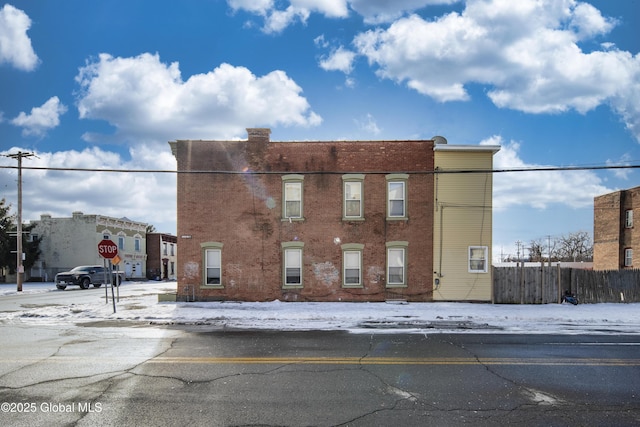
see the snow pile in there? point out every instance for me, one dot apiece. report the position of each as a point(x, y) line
point(139, 303)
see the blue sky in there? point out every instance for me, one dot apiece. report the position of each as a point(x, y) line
point(107, 84)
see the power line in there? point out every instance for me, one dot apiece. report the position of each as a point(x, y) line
point(251, 172)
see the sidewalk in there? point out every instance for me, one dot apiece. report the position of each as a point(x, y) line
point(139, 305)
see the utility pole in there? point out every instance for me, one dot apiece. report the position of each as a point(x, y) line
point(19, 266)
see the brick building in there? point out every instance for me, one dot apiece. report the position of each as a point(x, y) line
point(161, 256)
point(300, 221)
point(614, 235)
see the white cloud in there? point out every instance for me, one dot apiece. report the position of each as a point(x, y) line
point(255, 6)
point(15, 45)
point(278, 17)
point(320, 41)
point(145, 98)
point(145, 197)
point(625, 160)
point(380, 11)
point(525, 52)
point(587, 22)
point(340, 59)
point(369, 125)
point(41, 119)
point(539, 189)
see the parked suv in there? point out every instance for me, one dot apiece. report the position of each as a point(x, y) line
point(87, 275)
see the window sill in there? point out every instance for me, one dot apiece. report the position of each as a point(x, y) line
point(396, 285)
point(355, 219)
point(292, 286)
point(293, 219)
point(211, 287)
point(353, 286)
point(397, 218)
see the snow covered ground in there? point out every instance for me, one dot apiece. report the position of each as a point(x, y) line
point(139, 304)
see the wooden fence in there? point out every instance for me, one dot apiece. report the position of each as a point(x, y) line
point(544, 284)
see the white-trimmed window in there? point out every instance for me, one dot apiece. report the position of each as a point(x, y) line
point(352, 265)
point(292, 191)
point(292, 264)
point(397, 196)
point(628, 218)
point(137, 244)
point(352, 196)
point(628, 257)
point(478, 259)
point(397, 264)
point(212, 261)
point(121, 240)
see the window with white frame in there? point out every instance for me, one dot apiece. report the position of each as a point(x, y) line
point(292, 264)
point(628, 257)
point(397, 264)
point(628, 218)
point(292, 189)
point(212, 261)
point(397, 196)
point(352, 196)
point(478, 259)
point(121, 240)
point(352, 265)
point(137, 244)
point(164, 248)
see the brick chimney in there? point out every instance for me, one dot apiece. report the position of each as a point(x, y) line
point(258, 134)
point(257, 147)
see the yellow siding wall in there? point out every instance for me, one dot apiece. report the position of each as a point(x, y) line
point(462, 218)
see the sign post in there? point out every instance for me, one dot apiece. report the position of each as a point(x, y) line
point(106, 288)
point(108, 250)
point(115, 261)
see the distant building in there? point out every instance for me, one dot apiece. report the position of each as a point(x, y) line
point(161, 256)
point(615, 236)
point(333, 220)
point(69, 242)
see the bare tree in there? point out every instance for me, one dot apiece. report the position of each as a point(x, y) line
point(536, 250)
point(577, 246)
point(543, 248)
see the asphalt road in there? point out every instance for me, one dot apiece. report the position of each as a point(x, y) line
point(109, 374)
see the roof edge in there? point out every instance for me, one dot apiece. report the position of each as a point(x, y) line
point(478, 148)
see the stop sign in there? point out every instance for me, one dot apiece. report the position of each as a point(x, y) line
point(107, 249)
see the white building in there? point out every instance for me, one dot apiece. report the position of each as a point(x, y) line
point(69, 242)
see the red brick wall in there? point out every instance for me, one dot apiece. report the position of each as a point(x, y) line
point(244, 212)
point(154, 263)
point(610, 235)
